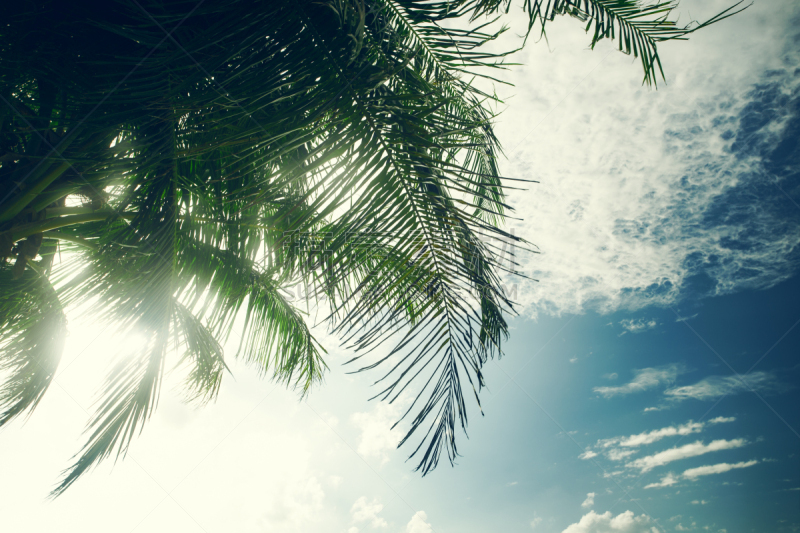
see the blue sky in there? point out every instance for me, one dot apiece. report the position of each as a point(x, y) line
point(561, 390)
point(650, 382)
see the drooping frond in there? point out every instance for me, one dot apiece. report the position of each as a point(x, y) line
point(274, 336)
point(202, 353)
point(32, 331)
point(129, 397)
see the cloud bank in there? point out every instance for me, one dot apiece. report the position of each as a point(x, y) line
point(660, 195)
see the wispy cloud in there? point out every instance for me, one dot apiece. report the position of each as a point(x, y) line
point(714, 387)
point(637, 325)
point(693, 473)
point(649, 437)
point(666, 481)
point(722, 420)
point(645, 464)
point(589, 501)
point(644, 379)
point(617, 454)
point(623, 446)
point(720, 468)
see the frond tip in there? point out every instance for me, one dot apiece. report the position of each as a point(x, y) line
point(636, 26)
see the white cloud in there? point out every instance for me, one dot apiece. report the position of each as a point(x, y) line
point(376, 438)
point(535, 522)
point(625, 522)
point(655, 435)
point(622, 447)
point(645, 464)
point(616, 454)
point(698, 502)
point(649, 437)
point(666, 481)
point(658, 434)
point(644, 379)
point(722, 420)
point(637, 325)
point(720, 468)
point(419, 523)
point(612, 375)
point(714, 387)
point(364, 511)
point(589, 501)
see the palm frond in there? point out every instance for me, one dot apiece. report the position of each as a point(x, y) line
point(636, 26)
point(224, 154)
point(130, 397)
point(32, 329)
point(202, 354)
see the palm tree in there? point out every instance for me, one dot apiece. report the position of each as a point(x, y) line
point(193, 160)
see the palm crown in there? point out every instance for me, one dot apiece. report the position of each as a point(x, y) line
point(197, 159)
